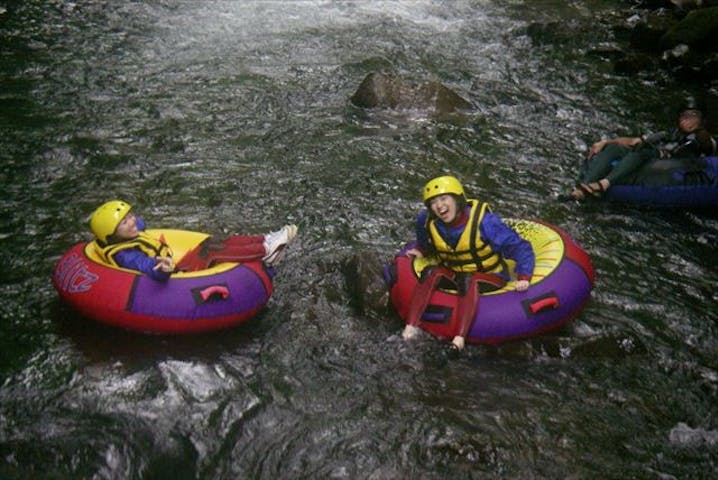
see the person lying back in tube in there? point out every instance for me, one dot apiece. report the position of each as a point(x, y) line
point(612, 160)
point(123, 242)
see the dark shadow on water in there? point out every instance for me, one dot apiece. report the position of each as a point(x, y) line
point(104, 343)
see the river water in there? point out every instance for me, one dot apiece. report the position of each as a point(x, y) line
point(233, 116)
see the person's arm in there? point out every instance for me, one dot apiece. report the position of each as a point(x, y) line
point(658, 138)
point(505, 241)
point(422, 236)
point(624, 141)
point(134, 259)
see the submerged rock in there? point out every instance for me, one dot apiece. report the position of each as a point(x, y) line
point(382, 90)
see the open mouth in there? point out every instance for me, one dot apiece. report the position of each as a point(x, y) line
point(444, 213)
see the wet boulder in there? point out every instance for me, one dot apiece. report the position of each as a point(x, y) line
point(691, 4)
point(646, 35)
point(691, 51)
point(389, 91)
point(364, 279)
point(698, 30)
point(678, 37)
point(633, 63)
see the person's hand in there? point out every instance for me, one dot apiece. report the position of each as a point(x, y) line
point(458, 342)
point(522, 285)
point(165, 264)
point(410, 332)
point(414, 252)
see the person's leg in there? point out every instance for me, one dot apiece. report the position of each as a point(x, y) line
point(598, 166)
point(591, 179)
point(243, 240)
point(467, 304)
point(470, 288)
point(422, 295)
point(236, 248)
point(630, 163)
point(195, 259)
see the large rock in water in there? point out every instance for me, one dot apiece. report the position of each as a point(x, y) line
point(699, 30)
point(364, 278)
point(382, 90)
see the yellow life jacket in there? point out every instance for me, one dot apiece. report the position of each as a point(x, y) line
point(149, 245)
point(471, 253)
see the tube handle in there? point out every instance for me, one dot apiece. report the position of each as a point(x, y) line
point(543, 304)
point(214, 291)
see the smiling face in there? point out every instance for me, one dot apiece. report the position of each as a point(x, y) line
point(127, 228)
point(444, 207)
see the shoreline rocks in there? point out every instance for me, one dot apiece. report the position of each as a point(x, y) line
point(673, 39)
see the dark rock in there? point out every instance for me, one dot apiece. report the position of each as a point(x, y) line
point(676, 38)
point(633, 63)
point(547, 33)
point(607, 51)
point(699, 30)
point(364, 279)
point(646, 35)
point(676, 4)
point(692, 4)
point(654, 4)
point(694, 68)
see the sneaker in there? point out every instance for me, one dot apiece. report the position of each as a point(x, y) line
point(274, 243)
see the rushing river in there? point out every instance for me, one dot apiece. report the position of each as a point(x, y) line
point(233, 116)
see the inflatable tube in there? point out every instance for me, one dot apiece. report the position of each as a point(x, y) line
point(222, 296)
point(561, 285)
point(675, 183)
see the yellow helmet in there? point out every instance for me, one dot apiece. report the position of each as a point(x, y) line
point(105, 219)
point(441, 186)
